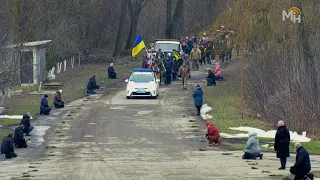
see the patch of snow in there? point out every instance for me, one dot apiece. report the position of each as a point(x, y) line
point(265, 145)
point(12, 117)
point(204, 110)
point(40, 131)
point(295, 137)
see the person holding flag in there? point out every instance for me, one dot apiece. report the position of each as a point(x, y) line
point(138, 46)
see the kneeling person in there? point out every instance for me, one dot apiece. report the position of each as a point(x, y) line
point(211, 79)
point(302, 166)
point(111, 72)
point(18, 139)
point(92, 85)
point(252, 149)
point(57, 100)
point(213, 134)
point(7, 147)
point(44, 106)
point(25, 121)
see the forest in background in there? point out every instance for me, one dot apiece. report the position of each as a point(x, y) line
point(95, 28)
point(81, 26)
point(282, 78)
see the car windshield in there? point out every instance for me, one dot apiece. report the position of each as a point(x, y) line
point(167, 47)
point(142, 78)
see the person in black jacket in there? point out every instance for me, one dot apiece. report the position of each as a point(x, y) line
point(18, 139)
point(92, 85)
point(302, 166)
point(7, 147)
point(44, 106)
point(211, 79)
point(281, 144)
point(25, 121)
point(169, 65)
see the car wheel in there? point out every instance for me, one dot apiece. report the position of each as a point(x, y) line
point(128, 97)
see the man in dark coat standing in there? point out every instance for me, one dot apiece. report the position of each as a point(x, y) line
point(44, 106)
point(18, 139)
point(169, 65)
point(25, 121)
point(282, 143)
point(302, 166)
point(7, 147)
point(198, 98)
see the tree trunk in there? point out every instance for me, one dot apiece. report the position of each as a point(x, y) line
point(121, 30)
point(168, 29)
point(307, 54)
point(177, 24)
point(134, 16)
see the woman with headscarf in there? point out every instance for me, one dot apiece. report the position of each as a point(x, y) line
point(44, 106)
point(282, 143)
point(57, 100)
point(252, 149)
point(213, 134)
point(198, 98)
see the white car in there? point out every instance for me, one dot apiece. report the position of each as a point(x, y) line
point(142, 83)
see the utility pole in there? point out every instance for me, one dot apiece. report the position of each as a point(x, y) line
point(241, 73)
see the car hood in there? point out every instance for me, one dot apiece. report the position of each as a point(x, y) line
point(140, 84)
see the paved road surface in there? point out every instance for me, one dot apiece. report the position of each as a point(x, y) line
point(110, 137)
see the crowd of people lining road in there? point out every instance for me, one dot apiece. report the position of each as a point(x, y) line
point(196, 51)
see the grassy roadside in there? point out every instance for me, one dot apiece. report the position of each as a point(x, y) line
point(225, 102)
point(74, 87)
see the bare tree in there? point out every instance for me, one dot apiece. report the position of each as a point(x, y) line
point(135, 7)
point(121, 31)
point(168, 15)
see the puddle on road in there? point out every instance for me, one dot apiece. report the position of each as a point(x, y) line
point(51, 118)
point(56, 113)
point(39, 132)
point(196, 141)
point(88, 136)
point(119, 107)
point(144, 112)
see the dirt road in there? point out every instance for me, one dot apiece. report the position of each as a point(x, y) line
point(110, 137)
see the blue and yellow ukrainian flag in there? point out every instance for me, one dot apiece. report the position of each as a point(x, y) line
point(138, 46)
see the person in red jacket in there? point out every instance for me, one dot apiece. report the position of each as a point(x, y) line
point(213, 134)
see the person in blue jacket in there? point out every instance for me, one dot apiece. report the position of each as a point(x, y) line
point(7, 147)
point(252, 149)
point(111, 72)
point(302, 167)
point(198, 98)
point(44, 106)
